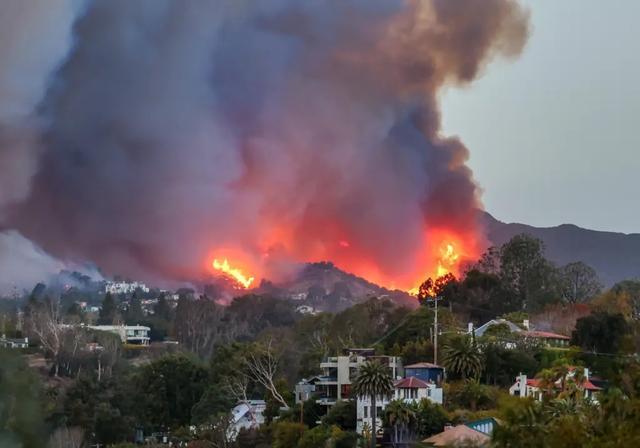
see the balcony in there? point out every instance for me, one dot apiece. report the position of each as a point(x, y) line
point(327, 381)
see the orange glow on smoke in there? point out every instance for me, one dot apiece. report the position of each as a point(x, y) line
point(280, 249)
point(235, 273)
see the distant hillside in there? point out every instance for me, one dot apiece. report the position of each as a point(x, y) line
point(615, 256)
point(325, 287)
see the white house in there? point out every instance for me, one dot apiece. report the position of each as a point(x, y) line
point(532, 387)
point(410, 390)
point(14, 343)
point(130, 334)
point(247, 415)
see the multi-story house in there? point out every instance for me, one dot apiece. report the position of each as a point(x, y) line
point(338, 372)
point(409, 390)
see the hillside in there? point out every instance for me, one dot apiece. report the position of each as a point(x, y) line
point(615, 256)
point(324, 286)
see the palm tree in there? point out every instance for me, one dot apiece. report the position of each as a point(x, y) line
point(401, 417)
point(463, 357)
point(373, 380)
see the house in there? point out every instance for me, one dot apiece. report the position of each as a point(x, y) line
point(305, 389)
point(339, 371)
point(481, 330)
point(130, 334)
point(547, 338)
point(485, 425)
point(409, 390)
point(459, 436)
point(533, 387)
point(425, 371)
point(246, 415)
point(14, 343)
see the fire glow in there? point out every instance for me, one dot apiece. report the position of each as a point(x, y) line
point(236, 274)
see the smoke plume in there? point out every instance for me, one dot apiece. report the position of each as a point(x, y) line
point(269, 132)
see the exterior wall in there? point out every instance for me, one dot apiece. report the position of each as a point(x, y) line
point(408, 395)
point(425, 373)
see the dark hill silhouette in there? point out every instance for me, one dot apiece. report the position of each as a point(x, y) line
point(614, 256)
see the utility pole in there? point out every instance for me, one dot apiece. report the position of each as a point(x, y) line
point(435, 299)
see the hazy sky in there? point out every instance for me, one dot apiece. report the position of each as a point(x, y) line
point(555, 136)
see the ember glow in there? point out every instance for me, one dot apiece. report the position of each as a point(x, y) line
point(236, 274)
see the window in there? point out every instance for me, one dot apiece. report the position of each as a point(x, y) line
point(366, 412)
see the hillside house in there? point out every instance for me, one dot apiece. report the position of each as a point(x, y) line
point(339, 371)
point(409, 390)
point(533, 387)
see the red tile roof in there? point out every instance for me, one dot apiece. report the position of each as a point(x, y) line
point(588, 385)
point(411, 383)
point(533, 382)
point(545, 335)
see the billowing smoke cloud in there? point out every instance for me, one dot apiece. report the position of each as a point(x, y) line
point(273, 131)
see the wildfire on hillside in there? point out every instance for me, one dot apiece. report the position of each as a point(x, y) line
point(444, 252)
point(241, 278)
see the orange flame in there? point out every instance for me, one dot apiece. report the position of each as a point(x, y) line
point(448, 262)
point(243, 279)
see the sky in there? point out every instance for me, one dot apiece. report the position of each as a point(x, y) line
point(554, 135)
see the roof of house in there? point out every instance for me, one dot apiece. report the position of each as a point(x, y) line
point(588, 385)
point(423, 365)
point(545, 335)
point(458, 436)
point(484, 327)
point(411, 383)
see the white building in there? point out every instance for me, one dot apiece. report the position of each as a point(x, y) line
point(130, 334)
point(247, 415)
point(339, 371)
point(532, 387)
point(409, 390)
point(14, 343)
point(124, 287)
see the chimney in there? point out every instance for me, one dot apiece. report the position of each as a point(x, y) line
point(470, 327)
point(523, 385)
point(525, 324)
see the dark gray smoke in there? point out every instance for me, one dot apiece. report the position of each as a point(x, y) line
point(274, 130)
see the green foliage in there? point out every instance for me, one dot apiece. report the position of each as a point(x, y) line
point(430, 418)
point(527, 274)
point(108, 311)
point(21, 404)
point(462, 357)
point(169, 388)
point(343, 415)
point(502, 365)
point(315, 438)
point(287, 434)
point(600, 332)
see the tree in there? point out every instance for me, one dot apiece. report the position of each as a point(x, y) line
point(600, 332)
point(262, 367)
point(169, 388)
point(109, 311)
point(578, 282)
point(134, 313)
point(462, 357)
point(373, 380)
point(200, 325)
point(162, 309)
point(22, 421)
point(526, 272)
point(343, 414)
point(45, 321)
point(630, 288)
point(401, 418)
point(430, 418)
